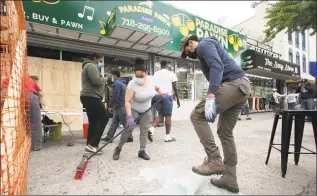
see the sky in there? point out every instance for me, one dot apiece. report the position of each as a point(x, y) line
point(234, 11)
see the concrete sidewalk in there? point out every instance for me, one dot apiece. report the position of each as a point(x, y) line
point(52, 169)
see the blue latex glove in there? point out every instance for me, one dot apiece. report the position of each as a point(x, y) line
point(165, 95)
point(210, 110)
point(130, 121)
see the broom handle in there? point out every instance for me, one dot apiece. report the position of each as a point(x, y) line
point(124, 130)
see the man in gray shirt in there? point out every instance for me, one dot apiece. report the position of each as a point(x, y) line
point(91, 95)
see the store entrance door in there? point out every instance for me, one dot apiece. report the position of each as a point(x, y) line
point(184, 71)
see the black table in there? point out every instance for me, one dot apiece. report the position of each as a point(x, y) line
point(287, 121)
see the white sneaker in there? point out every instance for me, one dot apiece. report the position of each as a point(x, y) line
point(91, 149)
point(168, 138)
point(151, 133)
point(152, 130)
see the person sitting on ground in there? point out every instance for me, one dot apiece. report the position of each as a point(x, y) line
point(91, 96)
point(167, 80)
point(117, 106)
point(139, 94)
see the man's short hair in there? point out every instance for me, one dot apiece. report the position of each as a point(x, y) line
point(164, 63)
point(95, 55)
point(139, 61)
point(116, 73)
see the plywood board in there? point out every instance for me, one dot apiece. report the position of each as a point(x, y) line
point(53, 83)
point(72, 85)
point(61, 85)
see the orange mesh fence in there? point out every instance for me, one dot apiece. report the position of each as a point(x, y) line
point(15, 127)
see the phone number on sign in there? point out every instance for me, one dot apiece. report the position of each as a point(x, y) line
point(145, 27)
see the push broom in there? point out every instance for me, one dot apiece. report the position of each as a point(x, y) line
point(84, 162)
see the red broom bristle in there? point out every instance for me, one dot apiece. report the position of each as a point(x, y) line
point(79, 174)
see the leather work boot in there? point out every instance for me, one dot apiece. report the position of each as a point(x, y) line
point(116, 153)
point(143, 155)
point(212, 165)
point(228, 181)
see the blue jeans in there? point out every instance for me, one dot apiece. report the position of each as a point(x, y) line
point(308, 104)
point(119, 115)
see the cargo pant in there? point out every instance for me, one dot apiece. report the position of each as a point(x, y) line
point(231, 98)
point(145, 124)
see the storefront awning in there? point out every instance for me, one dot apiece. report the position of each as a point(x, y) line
point(263, 65)
point(307, 76)
point(137, 31)
point(304, 75)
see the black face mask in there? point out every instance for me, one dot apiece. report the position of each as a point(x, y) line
point(192, 55)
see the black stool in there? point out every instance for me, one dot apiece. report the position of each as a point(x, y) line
point(287, 121)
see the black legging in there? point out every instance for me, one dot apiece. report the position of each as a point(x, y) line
point(97, 118)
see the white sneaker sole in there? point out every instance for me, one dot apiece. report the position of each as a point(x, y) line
point(88, 150)
point(171, 140)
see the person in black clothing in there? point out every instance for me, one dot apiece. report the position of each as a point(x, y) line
point(91, 95)
point(307, 93)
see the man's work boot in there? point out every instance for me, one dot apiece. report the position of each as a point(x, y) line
point(116, 153)
point(212, 165)
point(143, 155)
point(228, 181)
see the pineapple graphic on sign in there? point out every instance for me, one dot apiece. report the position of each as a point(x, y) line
point(184, 23)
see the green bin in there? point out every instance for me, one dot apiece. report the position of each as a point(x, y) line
point(56, 132)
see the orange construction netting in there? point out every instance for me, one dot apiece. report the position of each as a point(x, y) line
point(15, 127)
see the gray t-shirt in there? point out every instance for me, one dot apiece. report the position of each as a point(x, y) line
point(143, 95)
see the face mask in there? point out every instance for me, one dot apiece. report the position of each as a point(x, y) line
point(140, 81)
point(192, 55)
point(112, 79)
point(99, 65)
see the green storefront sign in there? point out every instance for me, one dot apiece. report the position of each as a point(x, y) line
point(140, 19)
point(153, 17)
